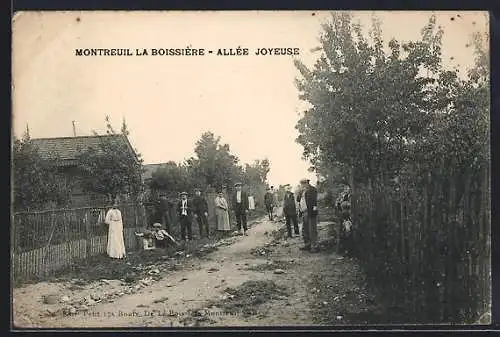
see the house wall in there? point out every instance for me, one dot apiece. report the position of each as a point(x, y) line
point(80, 198)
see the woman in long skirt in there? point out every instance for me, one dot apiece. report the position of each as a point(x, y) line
point(116, 244)
point(222, 215)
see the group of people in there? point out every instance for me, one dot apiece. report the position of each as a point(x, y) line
point(304, 205)
point(241, 203)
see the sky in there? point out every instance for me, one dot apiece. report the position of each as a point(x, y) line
point(251, 102)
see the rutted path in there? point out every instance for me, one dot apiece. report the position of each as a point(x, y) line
point(198, 295)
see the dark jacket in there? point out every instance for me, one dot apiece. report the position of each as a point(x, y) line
point(200, 205)
point(311, 196)
point(268, 199)
point(289, 207)
point(244, 201)
point(189, 208)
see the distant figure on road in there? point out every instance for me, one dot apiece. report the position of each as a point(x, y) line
point(222, 214)
point(184, 211)
point(269, 203)
point(116, 244)
point(201, 213)
point(308, 203)
point(240, 207)
point(290, 212)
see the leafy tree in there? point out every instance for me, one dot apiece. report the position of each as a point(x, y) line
point(366, 105)
point(413, 137)
point(36, 182)
point(171, 177)
point(214, 162)
point(110, 169)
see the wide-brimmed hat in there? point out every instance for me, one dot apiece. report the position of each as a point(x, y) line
point(157, 225)
point(238, 184)
point(184, 193)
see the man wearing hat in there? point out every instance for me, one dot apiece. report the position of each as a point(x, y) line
point(184, 211)
point(269, 202)
point(290, 212)
point(308, 209)
point(200, 207)
point(240, 207)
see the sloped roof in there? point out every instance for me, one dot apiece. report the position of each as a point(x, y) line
point(67, 148)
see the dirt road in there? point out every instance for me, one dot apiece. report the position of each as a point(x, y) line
point(261, 279)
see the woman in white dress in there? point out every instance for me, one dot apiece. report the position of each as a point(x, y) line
point(116, 244)
point(222, 214)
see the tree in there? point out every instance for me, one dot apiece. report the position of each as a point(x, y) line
point(36, 182)
point(414, 138)
point(367, 105)
point(111, 169)
point(171, 177)
point(214, 162)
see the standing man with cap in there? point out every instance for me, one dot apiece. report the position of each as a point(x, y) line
point(240, 207)
point(184, 211)
point(308, 204)
point(290, 212)
point(268, 202)
point(201, 212)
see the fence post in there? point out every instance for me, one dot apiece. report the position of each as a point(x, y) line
point(88, 238)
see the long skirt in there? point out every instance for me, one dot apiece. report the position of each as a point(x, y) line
point(222, 220)
point(116, 244)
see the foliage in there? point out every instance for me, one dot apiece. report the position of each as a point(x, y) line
point(111, 169)
point(171, 177)
point(411, 136)
point(36, 182)
point(213, 166)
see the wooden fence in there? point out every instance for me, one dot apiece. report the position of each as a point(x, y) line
point(425, 241)
point(45, 241)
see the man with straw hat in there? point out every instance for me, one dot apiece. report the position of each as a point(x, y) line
point(184, 213)
point(240, 207)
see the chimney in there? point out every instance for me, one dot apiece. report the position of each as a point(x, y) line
point(74, 129)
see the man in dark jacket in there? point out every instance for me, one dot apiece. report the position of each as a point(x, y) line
point(269, 203)
point(308, 206)
point(240, 207)
point(163, 208)
point(184, 212)
point(200, 208)
point(290, 211)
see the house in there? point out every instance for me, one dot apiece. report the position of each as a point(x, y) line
point(64, 150)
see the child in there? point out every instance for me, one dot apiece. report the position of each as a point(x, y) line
point(161, 236)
